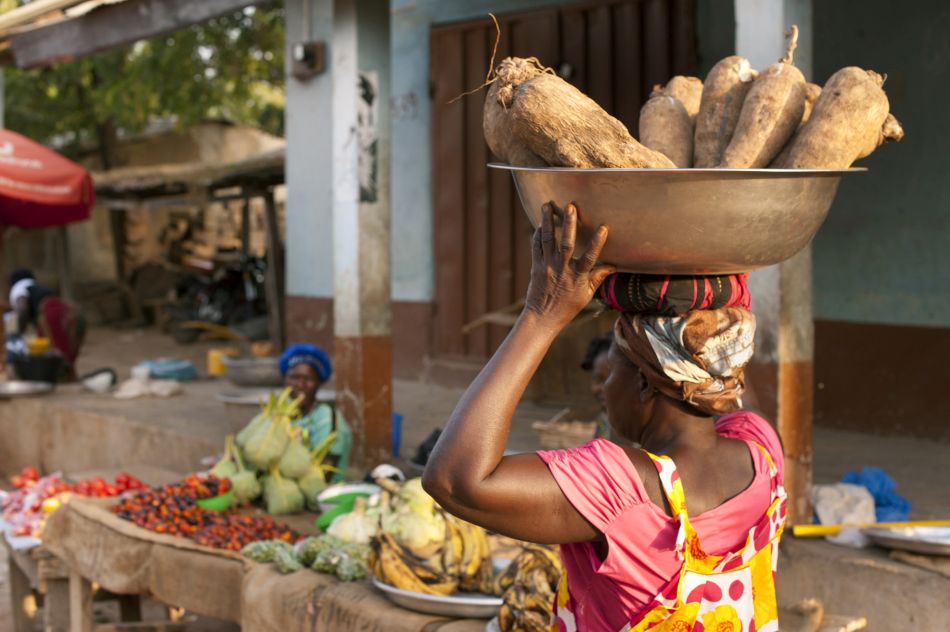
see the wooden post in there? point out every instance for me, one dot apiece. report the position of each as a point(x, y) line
point(117, 228)
point(246, 226)
point(362, 308)
point(56, 606)
point(781, 376)
point(20, 591)
point(80, 603)
point(275, 257)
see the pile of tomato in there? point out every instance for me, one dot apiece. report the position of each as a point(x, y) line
point(100, 488)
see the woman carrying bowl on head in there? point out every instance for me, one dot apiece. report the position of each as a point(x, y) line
point(306, 368)
point(635, 558)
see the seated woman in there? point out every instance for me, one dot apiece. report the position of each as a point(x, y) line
point(53, 317)
point(305, 368)
point(635, 558)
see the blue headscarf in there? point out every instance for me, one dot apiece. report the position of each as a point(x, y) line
point(304, 353)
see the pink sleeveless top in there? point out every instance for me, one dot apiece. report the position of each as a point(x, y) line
point(604, 486)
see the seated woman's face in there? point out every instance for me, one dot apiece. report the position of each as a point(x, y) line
point(600, 371)
point(303, 381)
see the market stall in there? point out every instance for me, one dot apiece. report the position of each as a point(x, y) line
point(89, 544)
point(192, 185)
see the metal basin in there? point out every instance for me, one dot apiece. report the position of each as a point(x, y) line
point(687, 221)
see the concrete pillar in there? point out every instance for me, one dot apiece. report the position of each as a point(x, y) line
point(362, 309)
point(338, 205)
point(782, 373)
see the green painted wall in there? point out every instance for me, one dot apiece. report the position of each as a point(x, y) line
point(883, 255)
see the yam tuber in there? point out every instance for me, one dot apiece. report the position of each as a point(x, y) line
point(770, 114)
point(849, 121)
point(530, 111)
point(724, 91)
point(689, 92)
point(665, 127)
point(812, 90)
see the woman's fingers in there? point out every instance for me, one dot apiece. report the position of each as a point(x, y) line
point(548, 246)
point(568, 232)
point(599, 274)
point(537, 252)
point(589, 260)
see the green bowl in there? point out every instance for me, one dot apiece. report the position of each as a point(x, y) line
point(216, 503)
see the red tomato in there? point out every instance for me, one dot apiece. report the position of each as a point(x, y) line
point(30, 473)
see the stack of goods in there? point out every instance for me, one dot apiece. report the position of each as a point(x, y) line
point(528, 587)
point(737, 118)
point(173, 509)
point(349, 561)
point(270, 458)
point(25, 509)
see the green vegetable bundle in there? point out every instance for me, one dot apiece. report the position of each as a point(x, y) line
point(314, 480)
point(265, 550)
point(226, 467)
point(286, 561)
point(268, 439)
point(244, 483)
point(295, 461)
point(282, 495)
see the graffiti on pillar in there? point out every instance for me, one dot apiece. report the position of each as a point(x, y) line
point(368, 134)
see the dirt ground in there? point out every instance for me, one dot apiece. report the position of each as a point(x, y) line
point(918, 466)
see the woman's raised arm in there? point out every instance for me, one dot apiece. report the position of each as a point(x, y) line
point(467, 472)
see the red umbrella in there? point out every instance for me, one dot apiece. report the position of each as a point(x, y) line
point(38, 187)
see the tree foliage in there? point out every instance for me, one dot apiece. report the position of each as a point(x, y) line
point(231, 67)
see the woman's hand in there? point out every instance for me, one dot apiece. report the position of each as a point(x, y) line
point(561, 286)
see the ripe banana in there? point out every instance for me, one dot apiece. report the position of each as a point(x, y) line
point(402, 571)
point(452, 550)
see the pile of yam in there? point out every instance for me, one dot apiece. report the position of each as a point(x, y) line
point(737, 118)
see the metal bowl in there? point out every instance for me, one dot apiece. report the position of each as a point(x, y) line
point(253, 371)
point(687, 221)
point(459, 605)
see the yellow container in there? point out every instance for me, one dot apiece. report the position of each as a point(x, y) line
point(216, 359)
point(38, 346)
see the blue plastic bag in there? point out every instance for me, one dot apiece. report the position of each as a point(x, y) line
point(889, 506)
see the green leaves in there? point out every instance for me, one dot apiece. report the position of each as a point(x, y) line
point(231, 67)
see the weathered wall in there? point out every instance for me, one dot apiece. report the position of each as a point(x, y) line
point(882, 262)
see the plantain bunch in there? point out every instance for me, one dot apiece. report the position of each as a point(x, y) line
point(528, 588)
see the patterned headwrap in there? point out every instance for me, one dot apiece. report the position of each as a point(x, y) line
point(665, 295)
point(304, 353)
point(697, 358)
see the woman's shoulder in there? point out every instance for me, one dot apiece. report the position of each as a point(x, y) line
point(602, 471)
point(750, 427)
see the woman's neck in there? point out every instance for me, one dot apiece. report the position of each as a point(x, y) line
point(673, 425)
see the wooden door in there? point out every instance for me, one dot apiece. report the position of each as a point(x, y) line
point(614, 51)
